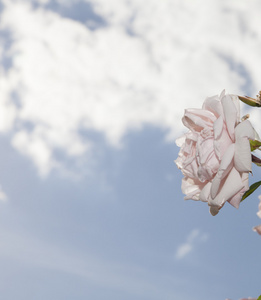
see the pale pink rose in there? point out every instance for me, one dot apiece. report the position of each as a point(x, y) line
point(215, 155)
point(258, 228)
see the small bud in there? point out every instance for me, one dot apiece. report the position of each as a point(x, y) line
point(245, 117)
point(251, 101)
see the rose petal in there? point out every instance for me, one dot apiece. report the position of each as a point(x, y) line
point(257, 229)
point(181, 140)
point(222, 94)
point(245, 129)
point(205, 193)
point(242, 159)
point(235, 201)
point(222, 138)
point(232, 185)
point(224, 168)
point(237, 105)
point(191, 188)
point(213, 104)
point(230, 113)
point(204, 149)
point(197, 119)
point(218, 127)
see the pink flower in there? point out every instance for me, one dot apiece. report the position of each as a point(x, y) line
point(215, 154)
point(258, 228)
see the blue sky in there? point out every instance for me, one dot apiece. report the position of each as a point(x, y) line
point(91, 99)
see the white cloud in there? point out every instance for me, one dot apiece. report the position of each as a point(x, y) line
point(193, 238)
point(149, 63)
point(183, 250)
point(35, 147)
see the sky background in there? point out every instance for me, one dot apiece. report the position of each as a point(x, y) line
point(91, 99)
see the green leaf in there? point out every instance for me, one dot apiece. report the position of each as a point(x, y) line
point(259, 298)
point(252, 188)
point(255, 144)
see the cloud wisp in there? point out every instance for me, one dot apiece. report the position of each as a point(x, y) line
point(42, 256)
point(194, 237)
